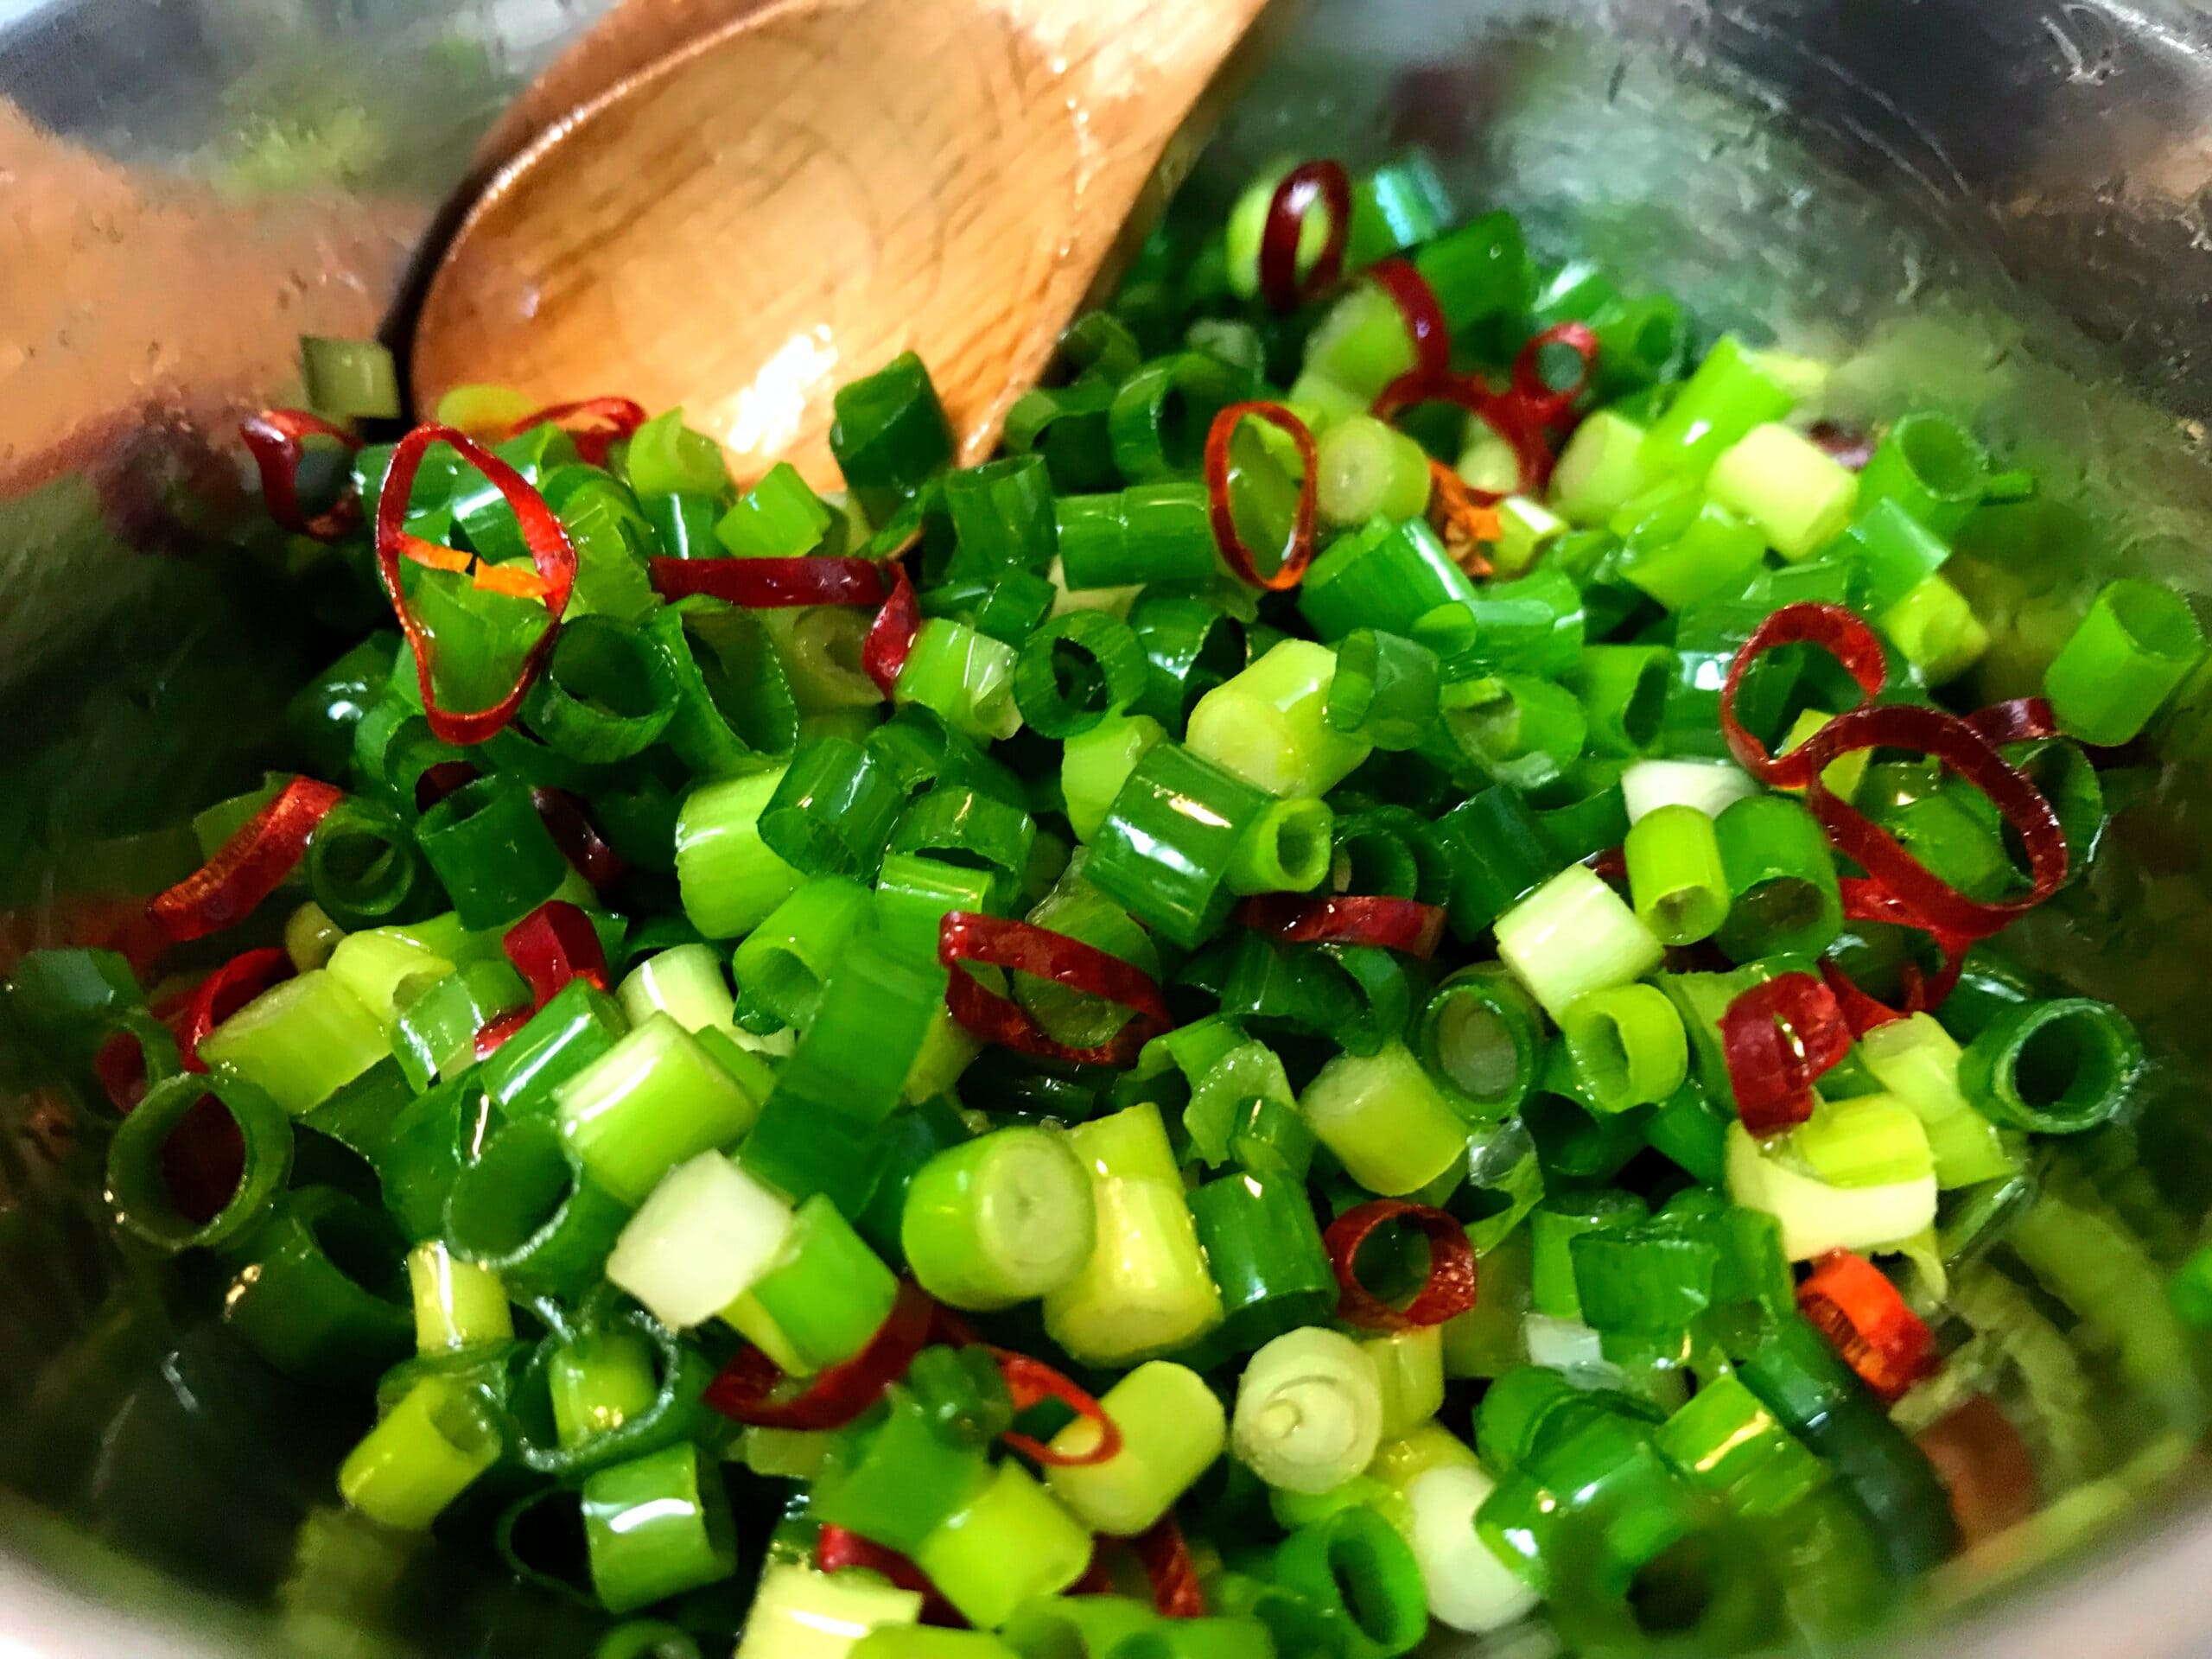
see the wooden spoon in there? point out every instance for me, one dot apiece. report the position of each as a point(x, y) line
point(798, 196)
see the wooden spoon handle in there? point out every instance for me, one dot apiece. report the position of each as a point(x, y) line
point(800, 195)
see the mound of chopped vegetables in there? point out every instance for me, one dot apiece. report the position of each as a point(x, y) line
point(1347, 995)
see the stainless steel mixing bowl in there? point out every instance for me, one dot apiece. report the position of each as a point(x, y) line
point(1998, 206)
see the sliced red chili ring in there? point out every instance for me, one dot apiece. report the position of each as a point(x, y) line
point(1984, 1464)
point(222, 994)
point(1447, 1292)
point(891, 636)
point(1539, 400)
point(1611, 867)
point(496, 1031)
point(248, 867)
point(594, 423)
point(1322, 183)
point(1835, 630)
point(966, 935)
point(751, 1389)
point(1425, 324)
point(568, 822)
point(1394, 924)
point(774, 584)
point(1933, 903)
point(552, 556)
point(1771, 1073)
point(2023, 719)
point(1298, 553)
point(1850, 1301)
point(553, 944)
point(837, 1547)
point(1169, 1569)
point(277, 440)
point(1030, 1382)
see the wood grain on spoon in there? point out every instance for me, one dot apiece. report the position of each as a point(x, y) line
point(800, 195)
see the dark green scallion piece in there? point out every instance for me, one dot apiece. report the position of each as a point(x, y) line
point(890, 435)
point(833, 811)
point(1076, 670)
point(600, 698)
point(487, 845)
point(1162, 412)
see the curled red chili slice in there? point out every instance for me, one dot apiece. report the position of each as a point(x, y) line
point(837, 1547)
point(2023, 719)
point(1449, 1289)
point(966, 935)
point(594, 423)
point(1849, 1300)
point(1425, 325)
point(222, 994)
point(1835, 630)
point(774, 584)
point(1298, 553)
point(566, 819)
point(1030, 1382)
point(1394, 924)
point(1536, 399)
point(248, 867)
point(1772, 1070)
point(553, 944)
point(1322, 183)
point(1985, 1465)
point(276, 438)
point(1169, 1569)
point(552, 556)
point(496, 1031)
point(1899, 878)
point(891, 636)
point(752, 1390)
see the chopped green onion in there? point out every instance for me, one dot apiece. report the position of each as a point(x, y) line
point(1932, 468)
point(1573, 935)
point(2135, 646)
point(652, 1101)
point(999, 1220)
point(456, 1303)
point(1480, 1035)
point(657, 1526)
point(1676, 875)
point(300, 1041)
point(1144, 1290)
point(1799, 497)
point(428, 1449)
point(1370, 470)
point(1627, 1045)
point(1385, 1119)
point(1012, 1541)
point(1268, 725)
point(2056, 1068)
point(705, 1237)
point(1309, 1411)
point(1173, 1429)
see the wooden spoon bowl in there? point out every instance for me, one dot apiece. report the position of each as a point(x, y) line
point(795, 198)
